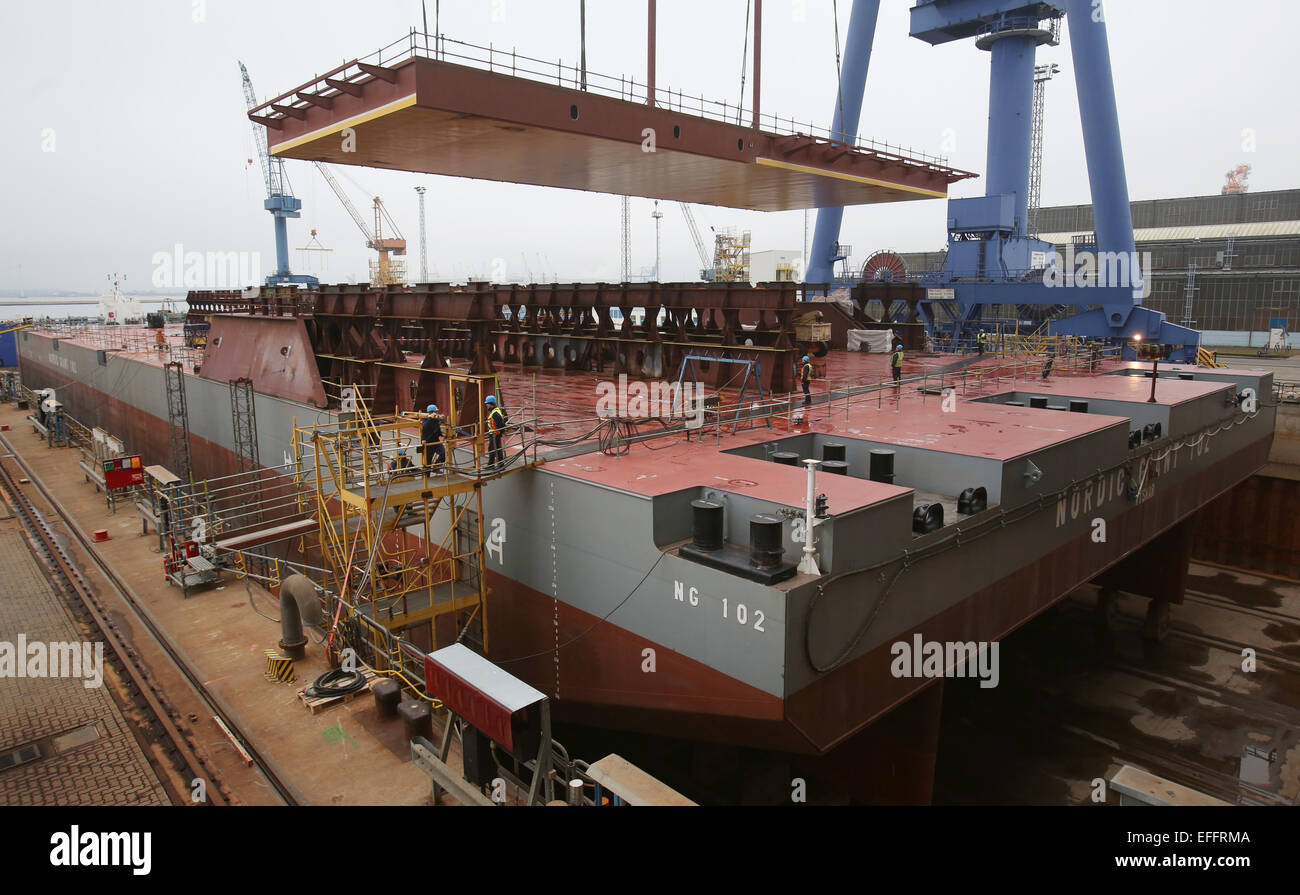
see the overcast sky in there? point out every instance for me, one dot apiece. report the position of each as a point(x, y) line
point(126, 130)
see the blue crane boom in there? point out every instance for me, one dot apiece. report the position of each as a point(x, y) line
point(280, 200)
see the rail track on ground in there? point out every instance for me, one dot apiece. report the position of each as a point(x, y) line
point(162, 718)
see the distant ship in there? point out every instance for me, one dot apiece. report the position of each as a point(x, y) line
point(114, 307)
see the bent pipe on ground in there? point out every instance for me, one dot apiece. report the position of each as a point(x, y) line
point(298, 604)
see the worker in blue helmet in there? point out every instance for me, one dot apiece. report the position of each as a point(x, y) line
point(805, 377)
point(401, 462)
point(431, 437)
point(496, 427)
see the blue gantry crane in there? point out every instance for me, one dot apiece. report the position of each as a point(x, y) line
point(992, 258)
point(280, 200)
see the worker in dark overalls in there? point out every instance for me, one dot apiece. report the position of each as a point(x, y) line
point(496, 426)
point(896, 363)
point(431, 437)
point(805, 376)
point(401, 462)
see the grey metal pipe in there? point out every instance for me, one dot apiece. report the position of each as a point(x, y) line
point(298, 604)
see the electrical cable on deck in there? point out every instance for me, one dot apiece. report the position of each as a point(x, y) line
point(337, 683)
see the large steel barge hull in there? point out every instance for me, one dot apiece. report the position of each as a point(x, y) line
point(591, 603)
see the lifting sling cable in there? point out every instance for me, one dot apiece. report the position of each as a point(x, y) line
point(744, 64)
point(839, 76)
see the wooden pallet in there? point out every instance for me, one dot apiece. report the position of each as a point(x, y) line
point(316, 704)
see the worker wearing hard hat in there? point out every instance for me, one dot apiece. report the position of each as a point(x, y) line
point(401, 462)
point(805, 377)
point(431, 437)
point(496, 427)
point(896, 363)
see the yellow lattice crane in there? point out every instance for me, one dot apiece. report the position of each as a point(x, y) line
point(385, 270)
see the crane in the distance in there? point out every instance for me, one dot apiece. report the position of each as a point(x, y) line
point(387, 270)
point(706, 260)
point(1235, 183)
point(280, 200)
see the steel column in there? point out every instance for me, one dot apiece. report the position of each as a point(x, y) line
point(848, 111)
point(1093, 78)
point(758, 55)
point(1011, 104)
point(281, 248)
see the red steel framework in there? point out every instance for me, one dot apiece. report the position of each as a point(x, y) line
point(362, 334)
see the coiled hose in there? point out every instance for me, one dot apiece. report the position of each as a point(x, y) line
point(337, 683)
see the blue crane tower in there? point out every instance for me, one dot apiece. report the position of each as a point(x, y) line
point(992, 259)
point(280, 200)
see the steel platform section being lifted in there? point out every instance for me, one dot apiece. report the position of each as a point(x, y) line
point(435, 110)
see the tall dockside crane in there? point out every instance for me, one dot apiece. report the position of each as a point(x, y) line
point(385, 271)
point(280, 200)
point(706, 260)
point(993, 258)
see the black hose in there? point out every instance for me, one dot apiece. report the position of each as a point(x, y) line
point(337, 683)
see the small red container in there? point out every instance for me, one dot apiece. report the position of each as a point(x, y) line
point(101, 534)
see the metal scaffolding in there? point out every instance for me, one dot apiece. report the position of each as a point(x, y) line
point(178, 420)
point(402, 540)
point(731, 256)
point(243, 414)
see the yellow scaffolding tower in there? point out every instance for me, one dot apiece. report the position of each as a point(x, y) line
point(406, 543)
point(731, 256)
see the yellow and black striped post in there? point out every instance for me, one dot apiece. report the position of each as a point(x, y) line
point(278, 668)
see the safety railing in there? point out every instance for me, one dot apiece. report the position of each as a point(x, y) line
point(262, 500)
point(127, 339)
point(994, 375)
point(1023, 23)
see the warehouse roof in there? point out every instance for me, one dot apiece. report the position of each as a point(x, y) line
point(1206, 231)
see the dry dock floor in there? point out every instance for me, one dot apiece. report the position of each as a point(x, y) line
point(344, 754)
point(1078, 698)
point(88, 754)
